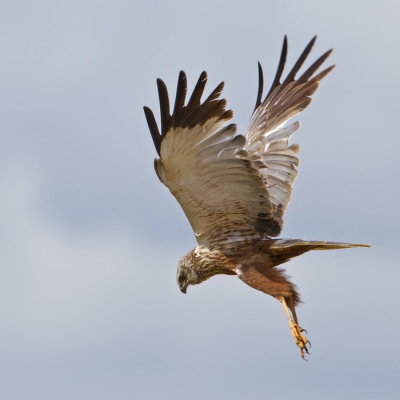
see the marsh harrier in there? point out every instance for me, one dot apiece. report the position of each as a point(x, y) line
point(234, 189)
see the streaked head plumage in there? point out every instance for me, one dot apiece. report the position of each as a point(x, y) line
point(186, 274)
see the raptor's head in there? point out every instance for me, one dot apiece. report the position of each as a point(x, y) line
point(186, 273)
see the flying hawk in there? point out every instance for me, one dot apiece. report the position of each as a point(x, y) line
point(234, 189)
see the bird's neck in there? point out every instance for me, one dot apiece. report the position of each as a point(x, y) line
point(208, 263)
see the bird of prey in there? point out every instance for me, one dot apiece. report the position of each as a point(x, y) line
point(234, 189)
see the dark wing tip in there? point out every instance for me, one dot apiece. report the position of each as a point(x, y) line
point(291, 77)
point(285, 44)
point(155, 133)
point(194, 113)
point(198, 90)
point(313, 68)
point(281, 66)
point(322, 74)
point(203, 76)
point(227, 115)
point(164, 106)
point(260, 86)
point(215, 93)
point(292, 74)
point(181, 91)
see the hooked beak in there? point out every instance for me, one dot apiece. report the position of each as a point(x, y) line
point(183, 288)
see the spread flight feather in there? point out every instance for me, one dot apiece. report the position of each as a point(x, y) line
point(233, 187)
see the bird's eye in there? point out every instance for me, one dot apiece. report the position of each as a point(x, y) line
point(182, 277)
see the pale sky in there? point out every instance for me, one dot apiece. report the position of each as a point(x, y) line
point(90, 240)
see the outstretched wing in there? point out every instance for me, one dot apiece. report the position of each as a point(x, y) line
point(205, 166)
point(267, 139)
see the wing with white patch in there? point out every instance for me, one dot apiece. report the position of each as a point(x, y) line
point(204, 165)
point(268, 139)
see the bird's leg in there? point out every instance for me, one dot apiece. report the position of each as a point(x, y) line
point(299, 338)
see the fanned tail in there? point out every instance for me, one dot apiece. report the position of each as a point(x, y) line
point(283, 250)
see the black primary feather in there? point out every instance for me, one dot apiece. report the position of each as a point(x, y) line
point(194, 113)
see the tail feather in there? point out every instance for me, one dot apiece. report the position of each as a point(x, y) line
point(283, 250)
point(282, 244)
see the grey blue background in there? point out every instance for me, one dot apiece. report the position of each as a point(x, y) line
point(90, 240)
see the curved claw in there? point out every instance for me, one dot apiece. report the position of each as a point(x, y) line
point(300, 340)
point(302, 352)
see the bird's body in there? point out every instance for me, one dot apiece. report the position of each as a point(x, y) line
point(234, 189)
point(250, 260)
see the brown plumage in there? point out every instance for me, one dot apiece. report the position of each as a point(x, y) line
point(234, 189)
